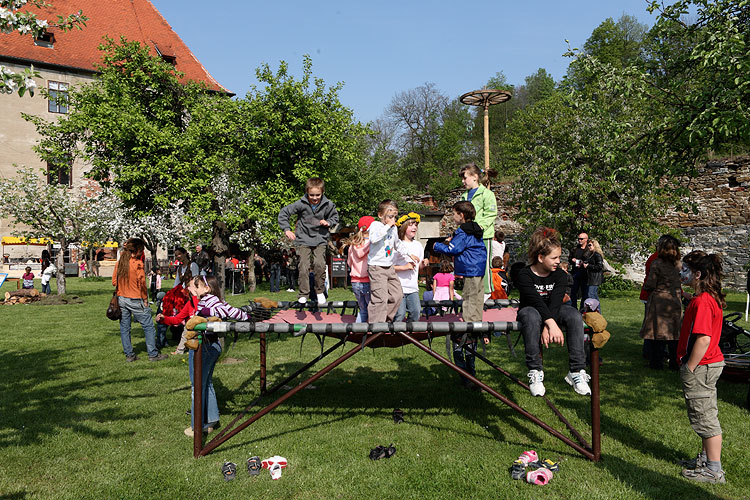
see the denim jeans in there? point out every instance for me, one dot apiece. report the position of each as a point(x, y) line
point(275, 281)
point(592, 292)
point(161, 330)
point(410, 303)
point(569, 320)
point(140, 312)
point(211, 353)
point(46, 288)
point(361, 292)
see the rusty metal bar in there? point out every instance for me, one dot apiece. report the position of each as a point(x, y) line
point(216, 442)
point(580, 449)
point(279, 386)
point(552, 407)
point(596, 431)
point(262, 337)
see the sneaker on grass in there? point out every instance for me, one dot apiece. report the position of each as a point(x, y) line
point(694, 463)
point(536, 377)
point(580, 382)
point(704, 475)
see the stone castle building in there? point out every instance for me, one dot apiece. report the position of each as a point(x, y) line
point(66, 59)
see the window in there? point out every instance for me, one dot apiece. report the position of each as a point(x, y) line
point(60, 174)
point(58, 97)
point(46, 39)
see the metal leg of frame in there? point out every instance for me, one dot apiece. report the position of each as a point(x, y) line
point(216, 442)
point(580, 449)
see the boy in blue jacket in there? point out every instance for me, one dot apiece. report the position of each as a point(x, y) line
point(470, 258)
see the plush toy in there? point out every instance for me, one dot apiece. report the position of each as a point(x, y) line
point(190, 333)
point(267, 303)
point(598, 325)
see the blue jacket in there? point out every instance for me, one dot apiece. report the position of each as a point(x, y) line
point(467, 248)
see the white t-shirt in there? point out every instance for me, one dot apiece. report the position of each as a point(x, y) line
point(409, 279)
point(498, 249)
point(384, 244)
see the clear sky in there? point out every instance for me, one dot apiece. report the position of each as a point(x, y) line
point(383, 47)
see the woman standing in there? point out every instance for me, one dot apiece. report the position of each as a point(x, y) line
point(485, 204)
point(129, 278)
point(664, 309)
point(594, 265)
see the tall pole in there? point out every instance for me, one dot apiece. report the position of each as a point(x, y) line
point(485, 98)
point(486, 136)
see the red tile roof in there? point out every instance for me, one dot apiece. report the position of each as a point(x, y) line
point(134, 19)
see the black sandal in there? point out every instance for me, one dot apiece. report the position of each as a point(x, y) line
point(377, 453)
point(398, 416)
point(254, 466)
point(229, 470)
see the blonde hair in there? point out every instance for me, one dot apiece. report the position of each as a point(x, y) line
point(356, 239)
point(597, 248)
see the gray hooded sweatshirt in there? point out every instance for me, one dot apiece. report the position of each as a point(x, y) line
point(309, 232)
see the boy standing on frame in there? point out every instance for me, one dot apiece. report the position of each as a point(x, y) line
point(316, 214)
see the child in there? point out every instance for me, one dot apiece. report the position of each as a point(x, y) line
point(385, 287)
point(702, 362)
point(470, 254)
point(316, 214)
point(408, 271)
point(566, 298)
point(497, 279)
point(444, 281)
point(48, 270)
point(82, 267)
point(359, 249)
point(154, 278)
point(28, 279)
point(429, 294)
point(485, 205)
point(542, 286)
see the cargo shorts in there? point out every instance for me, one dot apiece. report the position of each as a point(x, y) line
point(699, 388)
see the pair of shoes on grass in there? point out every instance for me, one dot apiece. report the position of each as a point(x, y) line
point(382, 452)
point(158, 357)
point(539, 471)
point(578, 380)
point(696, 469)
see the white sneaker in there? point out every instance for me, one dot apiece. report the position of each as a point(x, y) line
point(579, 381)
point(290, 289)
point(322, 299)
point(302, 300)
point(535, 383)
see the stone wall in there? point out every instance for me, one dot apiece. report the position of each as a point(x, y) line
point(720, 193)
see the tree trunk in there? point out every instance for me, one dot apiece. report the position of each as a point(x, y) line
point(60, 262)
point(220, 234)
point(90, 262)
point(251, 281)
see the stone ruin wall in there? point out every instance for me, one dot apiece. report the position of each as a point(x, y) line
point(721, 194)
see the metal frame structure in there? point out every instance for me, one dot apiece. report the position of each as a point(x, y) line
point(373, 335)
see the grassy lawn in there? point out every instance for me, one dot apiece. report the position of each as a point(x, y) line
point(77, 421)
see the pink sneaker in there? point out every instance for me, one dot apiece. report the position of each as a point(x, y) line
point(539, 476)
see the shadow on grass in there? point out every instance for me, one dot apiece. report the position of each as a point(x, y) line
point(423, 392)
point(40, 397)
point(14, 496)
point(651, 483)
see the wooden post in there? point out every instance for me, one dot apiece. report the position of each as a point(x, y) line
point(486, 136)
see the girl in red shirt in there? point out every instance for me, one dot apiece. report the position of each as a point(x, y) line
point(702, 362)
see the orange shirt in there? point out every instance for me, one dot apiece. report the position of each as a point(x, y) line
point(135, 286)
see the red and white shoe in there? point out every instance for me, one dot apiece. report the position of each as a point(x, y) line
point(274, 466)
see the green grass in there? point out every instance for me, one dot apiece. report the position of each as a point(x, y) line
point(77, 421)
